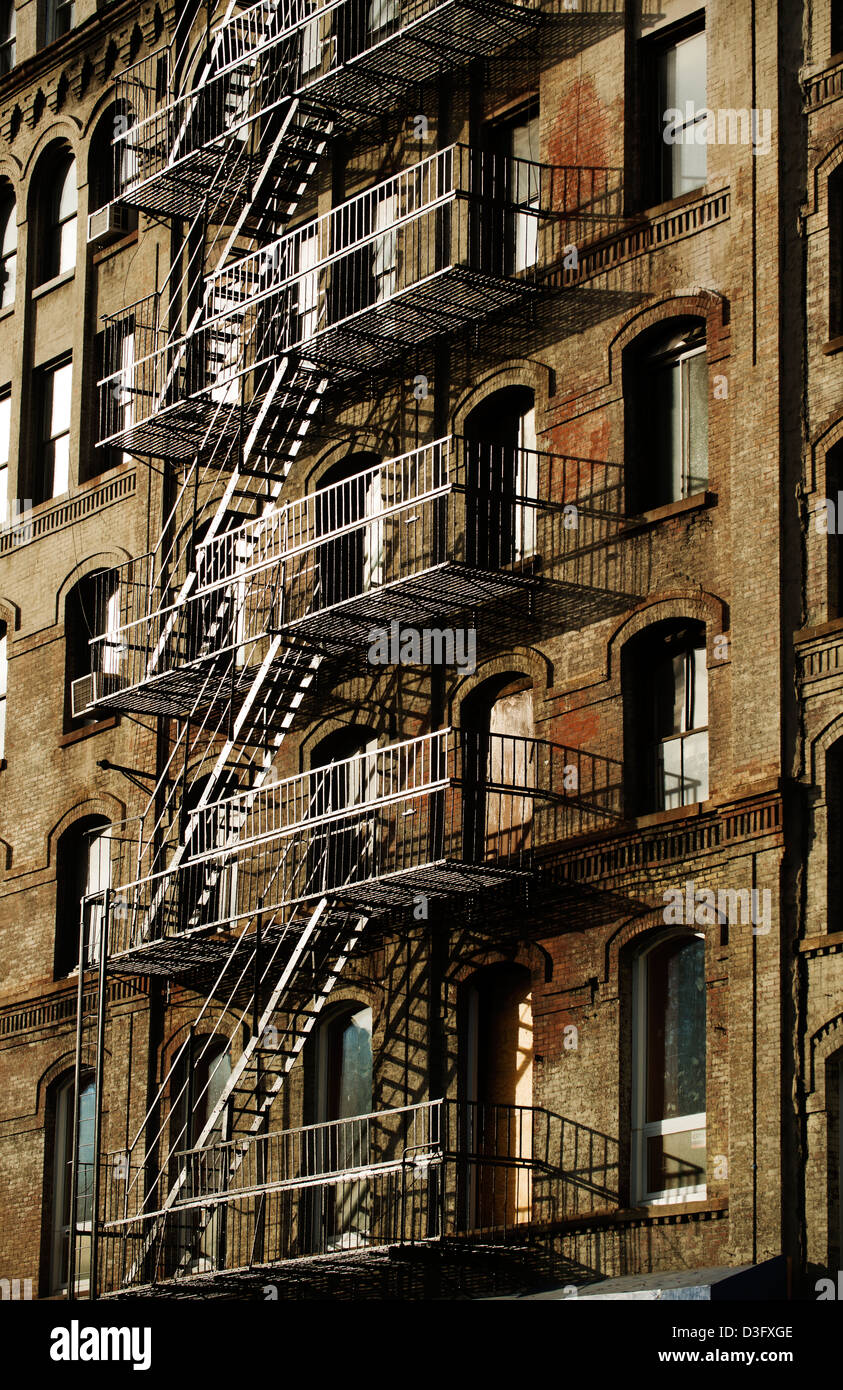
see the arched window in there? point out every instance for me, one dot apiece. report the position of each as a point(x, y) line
point(56, 215)
point(8, 33)
point(501, 479)
point(345, 1063)
point(498, 752)
point(835, 253)
point(60, 19)
point(8, 247)
point(340, 842)
point(351, 562)
point(83, 867)
point(4, 678)
point(52, 398)
point(665, 378)
point(832, 539)
point(111, 167)
point(669, 1071)
point(207, 883)
point(341, 1212)
point(665, 683)
point(197, 1087)
point(91, 609)
point(496, 1082)
point(59, 1180)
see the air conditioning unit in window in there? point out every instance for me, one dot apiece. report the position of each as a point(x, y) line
point(83, 694)
point(88, 690)
point(114, 220)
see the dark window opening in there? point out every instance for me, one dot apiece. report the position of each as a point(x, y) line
point(501, 479)
point(666, 716)
point(83, 860)
point(666, 408)
point(673, 109)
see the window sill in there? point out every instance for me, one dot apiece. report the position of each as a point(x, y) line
point(696, 808)
point(130, 239)
point(88, 731)
point(57, 280)
point(833, 345)
point(696, 503)
point(672, 204)
point(7, 311)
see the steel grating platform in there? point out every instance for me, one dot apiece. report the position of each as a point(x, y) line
point(447, 36)
point(438, 1268)
point(449, 300)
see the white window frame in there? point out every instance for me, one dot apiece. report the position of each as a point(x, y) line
point(5, 450)
point(60, 1232)
point(49, 438)
point(643, 1129)
point(8, 43)
point(9, 256)
point(56, 9)
point(4, 677)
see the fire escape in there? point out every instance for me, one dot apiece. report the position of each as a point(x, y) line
point(253, 891)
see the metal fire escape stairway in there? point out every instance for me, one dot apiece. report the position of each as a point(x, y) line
point(279, 972)
point(308, 956)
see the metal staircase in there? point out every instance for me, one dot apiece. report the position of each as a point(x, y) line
point(221, 373)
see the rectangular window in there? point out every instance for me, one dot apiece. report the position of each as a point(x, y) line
point(674, 109)
point(669, 1102)
point(55, 384)
point(679, 401)
point(8, 24)
point(5, 435)
point(3, 687)
point(61, 18)
point(682, 714)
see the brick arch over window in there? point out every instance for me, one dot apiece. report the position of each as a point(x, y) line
point(820, 448)
point(358, 442)
point(66, 131)
point(822, 1045)
point(528, 954)
point(532, 375)
point(104, 560)
point(105, 805)
point(535, 664)
point(60, 1069)
point(705, 304)
point(703, 607)
point(818, 182)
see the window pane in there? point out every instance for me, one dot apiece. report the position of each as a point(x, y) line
point(61, 397)
point(695, 397)
point(699, 680)
point(68, 197)
point(683, 82)
point(5, 426)
point(666, 425)
point(5, 519)
point(685, 73)
point(3, 664)
point(355, 1064)
point(676, 1161)
point(67, 246)
point(676, 1030)
point(61, 466)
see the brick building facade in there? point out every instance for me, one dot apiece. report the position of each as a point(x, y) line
point(329, 325)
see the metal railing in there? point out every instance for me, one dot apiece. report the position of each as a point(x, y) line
point(458, 235)
point(366, 830)
point(344, 55)
point(428, 534)
point(443, 1169)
